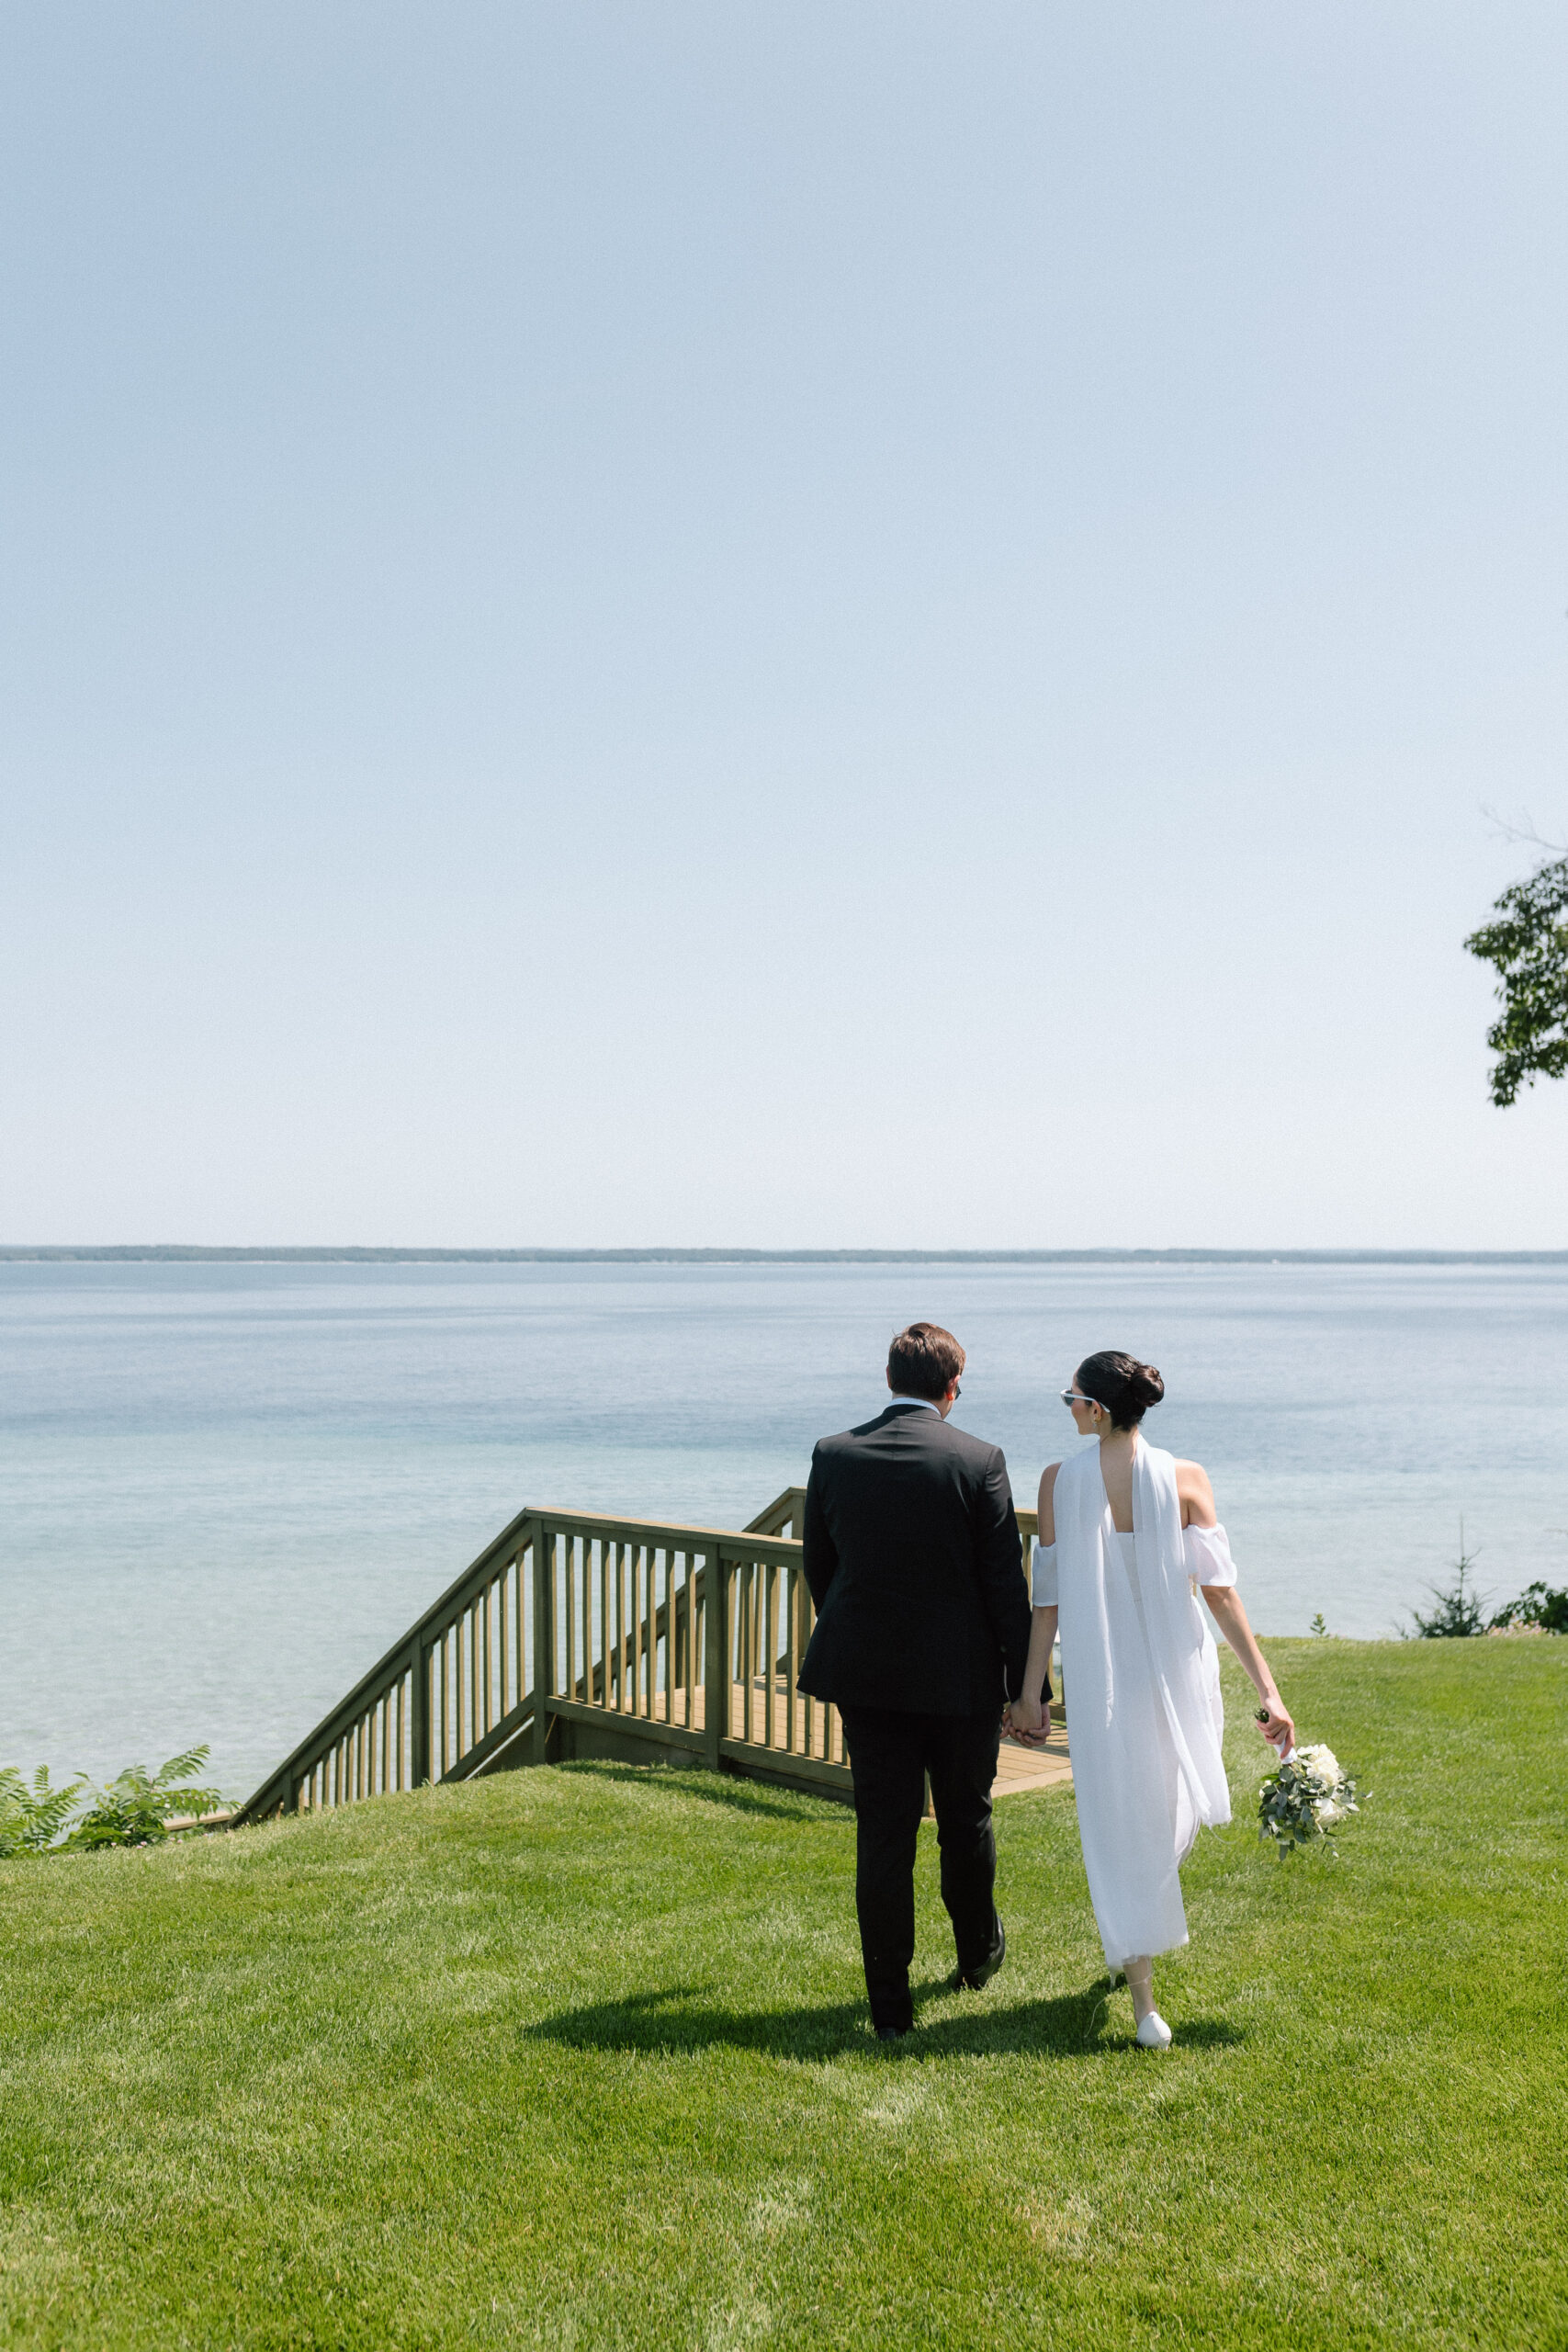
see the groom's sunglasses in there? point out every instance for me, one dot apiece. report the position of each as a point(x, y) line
point(1075, 1396)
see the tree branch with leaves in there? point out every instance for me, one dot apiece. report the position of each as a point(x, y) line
point(1527, 945)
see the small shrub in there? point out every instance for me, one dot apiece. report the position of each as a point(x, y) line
point(1319, 1626)
point(1539, 1604)
point(135, 1809)
point(32, 1818)
point(1459, 1613)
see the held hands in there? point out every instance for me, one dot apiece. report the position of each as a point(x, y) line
point(1026, 1721)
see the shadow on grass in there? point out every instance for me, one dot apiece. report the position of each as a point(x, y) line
point(680, 2019)
point(717, 1788)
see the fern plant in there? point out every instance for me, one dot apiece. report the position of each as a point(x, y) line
point(32, 1818)
point(135, 1808)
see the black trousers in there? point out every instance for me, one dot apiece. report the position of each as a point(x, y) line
point(890, 1754)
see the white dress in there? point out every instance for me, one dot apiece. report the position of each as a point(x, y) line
point(1142, 1679)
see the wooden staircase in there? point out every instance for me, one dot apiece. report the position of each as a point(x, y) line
point(575, 1634)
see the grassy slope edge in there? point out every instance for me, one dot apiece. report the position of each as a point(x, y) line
point(579, 2057)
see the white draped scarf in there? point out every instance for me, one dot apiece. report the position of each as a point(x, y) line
point(1141, 1677)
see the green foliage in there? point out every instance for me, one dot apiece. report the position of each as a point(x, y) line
point(135, 1808)
point(1460, 1612)
point(579, 2057)
point(1529, 947)
point(32, 1818)
point(1319, 1626)
point(1539, 1604)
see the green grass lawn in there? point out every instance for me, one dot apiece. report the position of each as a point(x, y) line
point(579, 2057)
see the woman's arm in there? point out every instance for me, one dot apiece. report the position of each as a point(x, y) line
point(1047, 1502)
point(1029, 1718)
point(1225, 1602)
point(1041, 1641)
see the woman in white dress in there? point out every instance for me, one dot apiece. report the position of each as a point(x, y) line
point(1128, 1537)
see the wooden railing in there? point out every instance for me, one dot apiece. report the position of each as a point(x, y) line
point(785, 1515)
point(635, 1662)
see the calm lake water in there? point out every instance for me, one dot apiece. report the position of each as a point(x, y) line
point(224, 1490)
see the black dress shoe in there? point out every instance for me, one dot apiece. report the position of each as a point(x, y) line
point(970, 1979)
point(892, 2032)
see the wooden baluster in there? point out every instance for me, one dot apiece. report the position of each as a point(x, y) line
point(716, 1656)
point(470, 1623)
point(418, 1714)
point(569, 1682)
point(622, 1570)
point(543, 1635)
point(607, 1546)
point(689, 1651)
point(502, 1604)
point(648, 1630)
point(634, 1618)
point(523, 1620)
point(791, 1613)
point(587, 1620)
point(754, 1617)
point(640, 1618)
point(770, 1648)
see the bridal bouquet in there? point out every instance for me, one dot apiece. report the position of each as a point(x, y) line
point(1308, 1797)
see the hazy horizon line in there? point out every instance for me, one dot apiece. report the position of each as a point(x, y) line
point(194, 1254)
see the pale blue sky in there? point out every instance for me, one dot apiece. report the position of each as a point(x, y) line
point(776, 624)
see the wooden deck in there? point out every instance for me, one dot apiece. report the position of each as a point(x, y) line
point(1019, 1769)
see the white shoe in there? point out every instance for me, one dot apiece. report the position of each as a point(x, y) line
point(1154, 2034)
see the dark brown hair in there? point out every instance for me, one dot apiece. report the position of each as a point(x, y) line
point(924, 1360)
point(1124, 1386)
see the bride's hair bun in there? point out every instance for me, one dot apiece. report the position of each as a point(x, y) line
point(1124, 1386)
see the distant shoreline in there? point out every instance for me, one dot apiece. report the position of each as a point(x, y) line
point(184, 1253)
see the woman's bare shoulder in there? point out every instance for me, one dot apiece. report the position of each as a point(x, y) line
point(1196, 1493)
point(1048, 1477)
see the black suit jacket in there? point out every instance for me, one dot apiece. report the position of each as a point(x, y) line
point(911, 1551)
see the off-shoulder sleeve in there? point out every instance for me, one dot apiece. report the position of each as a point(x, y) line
point(1044, 1576)
point(1208, 1554)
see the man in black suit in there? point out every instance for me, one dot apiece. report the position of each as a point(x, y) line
point(911, 1551)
